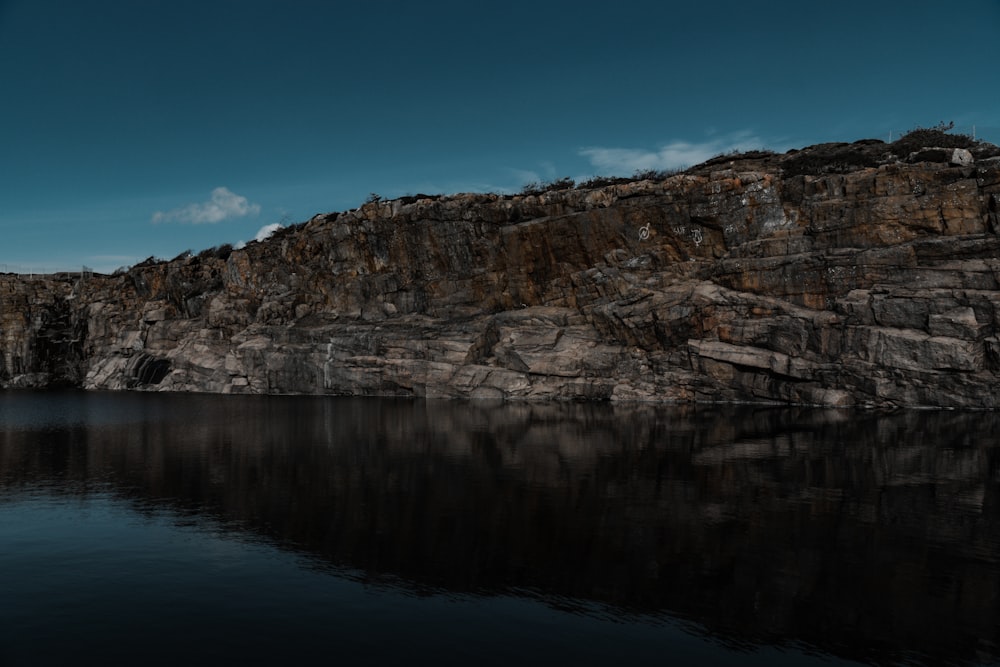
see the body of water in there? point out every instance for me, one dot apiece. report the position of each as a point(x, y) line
point(182, 529)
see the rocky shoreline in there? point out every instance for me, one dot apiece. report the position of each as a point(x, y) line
point(841, 274)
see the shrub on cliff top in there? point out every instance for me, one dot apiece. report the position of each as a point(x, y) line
point(409, 199)
point(735, 155)
point(835, 158)
point(219, 252)
point(930, 137)
point(540, 187)
point(602, 181)
point(653, 174)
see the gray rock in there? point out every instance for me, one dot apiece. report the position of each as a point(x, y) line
point(874, 285)
point(962, 157)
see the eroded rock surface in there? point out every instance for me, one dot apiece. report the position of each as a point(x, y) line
point(742, 279)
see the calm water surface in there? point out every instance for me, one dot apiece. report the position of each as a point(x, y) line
point(176, 529)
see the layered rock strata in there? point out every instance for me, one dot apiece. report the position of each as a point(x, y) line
point(746, 279)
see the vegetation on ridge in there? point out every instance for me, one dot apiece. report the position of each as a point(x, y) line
point(931, 144)
point(920, 144)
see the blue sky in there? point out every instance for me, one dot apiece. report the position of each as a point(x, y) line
point(133, 128)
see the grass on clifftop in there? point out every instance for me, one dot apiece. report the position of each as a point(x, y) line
point(916, 145)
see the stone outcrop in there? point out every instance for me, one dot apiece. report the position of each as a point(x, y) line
point(836, 275)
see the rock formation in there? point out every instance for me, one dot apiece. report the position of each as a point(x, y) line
point(840, 274)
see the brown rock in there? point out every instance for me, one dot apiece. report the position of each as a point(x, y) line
point(858, 280)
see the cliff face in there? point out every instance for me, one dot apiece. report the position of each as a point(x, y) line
point(758, 278)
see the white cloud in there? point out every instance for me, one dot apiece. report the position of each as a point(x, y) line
point(267, 230)
point(262, 234)
point(674, 155)
point(223, 205)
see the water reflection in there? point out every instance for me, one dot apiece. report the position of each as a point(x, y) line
point(872, 537)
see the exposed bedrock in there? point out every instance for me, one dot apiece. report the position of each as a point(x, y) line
point(734, 281)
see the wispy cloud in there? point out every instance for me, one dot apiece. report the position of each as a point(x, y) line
point(673, 155)
point(523, 176)
point(223, 205)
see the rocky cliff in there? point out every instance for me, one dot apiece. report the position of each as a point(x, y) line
point(840, 274)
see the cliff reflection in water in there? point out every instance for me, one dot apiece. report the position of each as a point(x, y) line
point(868, 536)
